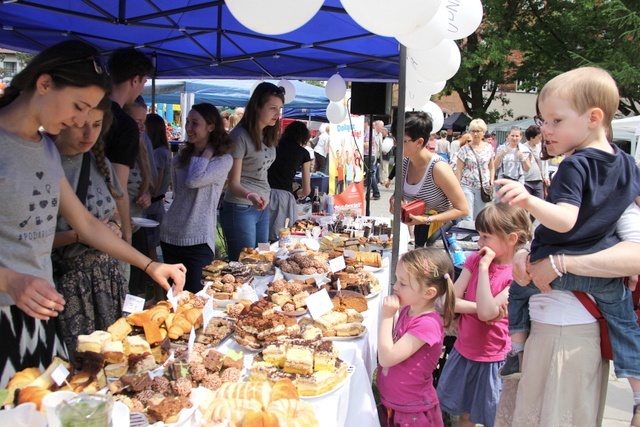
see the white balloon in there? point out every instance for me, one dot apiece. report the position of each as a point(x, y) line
point(387, 145)
point(275, 16)
point(418, 90)
point(289, 90)
point(463, 17)
point(436, 64)
point(254, 86)
point(336, 88)
point(429, 34)
point(388, 18)
point(336, 112)
point(437, 117)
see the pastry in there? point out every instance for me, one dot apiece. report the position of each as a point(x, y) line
point(169, 408)
point(325, 356)
point(33, 395)
point(293, 413)
point(113, 351)
point(23, 378)
point(89, 343)
point(284, 389)
point(259, 391)
point(136, 345)
point(233, 359)
point(116, 370)
point(299, 360)
point(119, 329)
point(349, 329)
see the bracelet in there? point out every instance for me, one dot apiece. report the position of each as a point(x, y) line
point(428, 220)
point(151, 262)
point(553, 265)
point(563, 266)
point(249, 194)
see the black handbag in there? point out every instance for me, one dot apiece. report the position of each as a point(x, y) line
point(486, 193)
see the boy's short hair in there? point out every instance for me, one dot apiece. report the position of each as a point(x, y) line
point(585, 88)
point(127, 63)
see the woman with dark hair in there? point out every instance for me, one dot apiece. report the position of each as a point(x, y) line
point(290, 157)
point(56, 90)
point(157, 133)
point(90, 281)
point(427, 176)
point(244, 217)
point(188, 232)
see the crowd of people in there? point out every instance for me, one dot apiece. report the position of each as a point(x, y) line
point(521, 357)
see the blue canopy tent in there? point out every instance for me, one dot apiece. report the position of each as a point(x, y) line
point(230, 93)
point(202, 39)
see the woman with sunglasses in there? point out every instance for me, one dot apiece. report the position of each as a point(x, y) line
point(475, 168)
point(427, 176)
point(244, 217)
point(56, 90)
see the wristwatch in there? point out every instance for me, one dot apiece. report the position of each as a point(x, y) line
point(428, 220)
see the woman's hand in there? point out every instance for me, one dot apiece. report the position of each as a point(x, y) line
point(208, 152)
point(390, 305)
point(144, 200)
point(632, 282)
point(392, 203)
point(542, 274)
point(258, 201)
point(160, 273)
point(33, 295)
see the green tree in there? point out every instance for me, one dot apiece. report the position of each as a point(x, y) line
point(552, 36)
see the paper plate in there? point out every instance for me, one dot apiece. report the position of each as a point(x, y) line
point(144, 222)
point(350, 370)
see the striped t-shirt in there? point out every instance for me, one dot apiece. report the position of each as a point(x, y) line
point(428, 191)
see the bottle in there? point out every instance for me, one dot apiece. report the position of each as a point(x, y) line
point(328, 204)
point(316, 206)
point(456, 252)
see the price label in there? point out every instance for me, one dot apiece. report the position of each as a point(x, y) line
point(60, 374)
point(348, 253)
point(133, 304)
point(207, 313)
point(172, 299)
point(192, 341)
point(319, 303)
point(337, 264)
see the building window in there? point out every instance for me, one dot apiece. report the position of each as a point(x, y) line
point(520, 88)
point(488, 86)
point(10, 68)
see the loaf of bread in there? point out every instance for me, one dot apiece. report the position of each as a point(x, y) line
point(232, 409)
point(260, 419)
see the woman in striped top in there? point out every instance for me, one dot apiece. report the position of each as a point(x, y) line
point(427, 176)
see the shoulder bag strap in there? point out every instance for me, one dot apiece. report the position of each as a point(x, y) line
point(479, 167)
point(589, 304)
point(83, 182)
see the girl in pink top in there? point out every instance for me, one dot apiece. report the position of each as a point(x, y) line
point(469, 385)
point(408, 353)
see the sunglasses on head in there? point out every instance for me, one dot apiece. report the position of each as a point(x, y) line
point(98, 65)
point(277, 90)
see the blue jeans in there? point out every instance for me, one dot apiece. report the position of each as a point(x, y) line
point(373, 175)
point(614, 301)
point(244, 227)
point(475, 202)
point(195, 258)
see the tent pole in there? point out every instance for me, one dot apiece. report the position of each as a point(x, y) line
point(397, 207)
point(154, 60)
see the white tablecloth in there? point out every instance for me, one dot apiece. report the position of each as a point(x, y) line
point(354, 403)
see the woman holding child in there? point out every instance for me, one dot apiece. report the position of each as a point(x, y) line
point(576, 111)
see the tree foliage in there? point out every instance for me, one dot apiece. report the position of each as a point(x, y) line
point(553, 36)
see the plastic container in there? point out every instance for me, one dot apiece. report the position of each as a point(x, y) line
point(456, 252)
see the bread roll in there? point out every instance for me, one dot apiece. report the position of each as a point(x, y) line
point(23, 378)
point(33, 394)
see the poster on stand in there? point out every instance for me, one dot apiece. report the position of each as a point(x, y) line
point(346, 163)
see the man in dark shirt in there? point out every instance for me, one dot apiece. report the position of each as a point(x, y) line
point(129, 69)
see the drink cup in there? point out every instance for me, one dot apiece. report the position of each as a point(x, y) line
point(51, 401)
